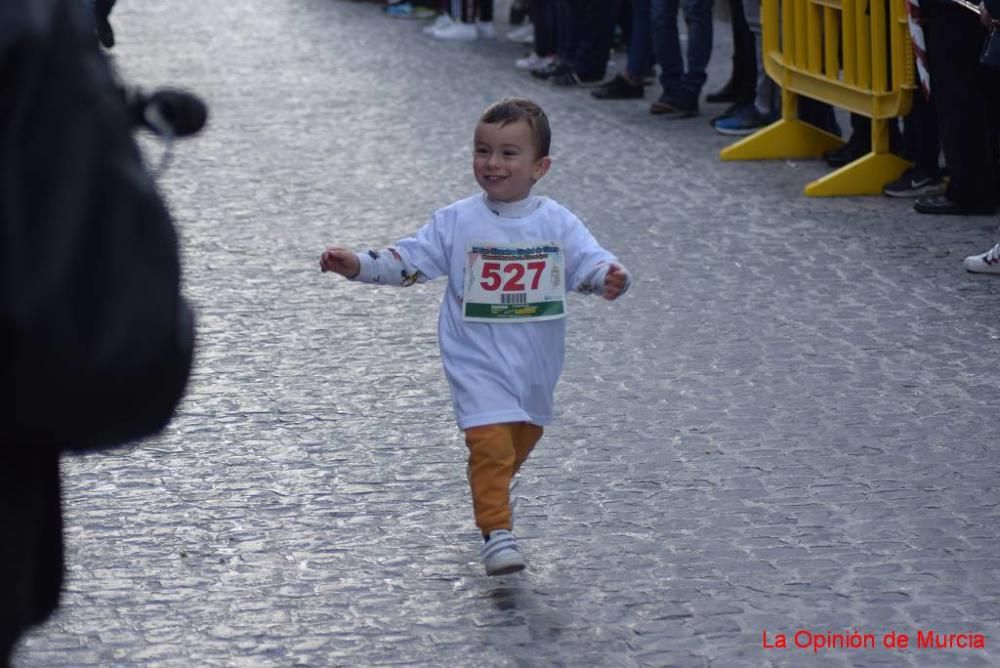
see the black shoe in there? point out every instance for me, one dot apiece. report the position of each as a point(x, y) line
point(673, 107)
point(915, 182)
point(556, 67)
point(728, 93)
point(572, 79)
point(942, 206)
point(618, 88)
point(849, 152)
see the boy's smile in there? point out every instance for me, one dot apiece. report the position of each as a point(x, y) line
point(504, 160)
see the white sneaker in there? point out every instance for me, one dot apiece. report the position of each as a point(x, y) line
point(987, 263)
point(456, 32)
point(500, 554)
point(486, 30)
point(522, 34)
point(440, 22)
point(533, 62)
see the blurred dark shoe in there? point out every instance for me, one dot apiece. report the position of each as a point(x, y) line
point(742, 119)
point(556, 67)
point(572, 79)
point(915, 182)
point(671, 106)
point(942, 206)
point(854, 148)
point(619, 88)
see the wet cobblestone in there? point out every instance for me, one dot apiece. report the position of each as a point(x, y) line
point(790, 422)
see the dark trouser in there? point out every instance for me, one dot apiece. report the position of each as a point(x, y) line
point(566, 37)
point(543, 18)
point(744, 54)
point(485, 9)
point(470, 10)
point(819, 114)
point(679, 79)
point(640, 42)
point(965, 95)
point(584, 30)
point(920, 135)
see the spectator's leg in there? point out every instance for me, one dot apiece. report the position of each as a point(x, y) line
point(596, 28)
point(640, 45)
point(484, 10)
point(698, 17)
point(544, 20)
point(666, 44)
point(920, 134)
point(728, 91)
point(565, 30)
point(744, 55)
point(959, 89)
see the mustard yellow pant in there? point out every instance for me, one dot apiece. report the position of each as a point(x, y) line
point(496, 452)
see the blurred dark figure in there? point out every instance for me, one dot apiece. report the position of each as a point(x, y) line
point(966, 95)
point(95, 339)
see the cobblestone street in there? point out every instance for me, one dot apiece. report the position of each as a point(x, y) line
point(788, 425)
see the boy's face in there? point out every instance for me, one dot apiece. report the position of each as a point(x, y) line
point(504, 160)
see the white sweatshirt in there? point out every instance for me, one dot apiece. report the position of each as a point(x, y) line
point(504, 371)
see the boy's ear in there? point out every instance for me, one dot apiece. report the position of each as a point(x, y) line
point(541, 166)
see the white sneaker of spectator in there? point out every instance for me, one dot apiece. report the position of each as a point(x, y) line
point(986, 263)
point(457, 32)
point(522, 34)
point(441, 21)
point(533, 62)
point(486, 30)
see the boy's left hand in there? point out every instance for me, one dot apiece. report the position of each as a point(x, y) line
point(614, 282)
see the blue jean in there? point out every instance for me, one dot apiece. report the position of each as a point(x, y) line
point(640, 42)
point(680, 83)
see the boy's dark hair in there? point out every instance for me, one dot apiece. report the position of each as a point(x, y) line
point(513, 109)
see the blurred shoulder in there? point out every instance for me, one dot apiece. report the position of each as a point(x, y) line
point(29, 21)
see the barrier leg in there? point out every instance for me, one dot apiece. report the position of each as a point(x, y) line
point(866, 175)
point(786, 138)
point(782, 139)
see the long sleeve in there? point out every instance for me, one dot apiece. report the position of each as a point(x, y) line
point(588, 263)
point(594, 284)
point(387, 267)
point(417, 259)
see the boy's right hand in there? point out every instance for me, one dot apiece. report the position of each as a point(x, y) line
point(340, 261)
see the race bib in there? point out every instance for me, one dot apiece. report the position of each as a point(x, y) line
point(514, 282)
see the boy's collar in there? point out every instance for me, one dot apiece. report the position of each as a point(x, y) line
point(518, 209)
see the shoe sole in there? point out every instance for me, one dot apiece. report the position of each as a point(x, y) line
point(674, 115)
point(937, 189)
point(656, 109)
point(506, 570)
point(729, 132)
point(579, 84)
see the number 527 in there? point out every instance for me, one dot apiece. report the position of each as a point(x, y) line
point(515, 272)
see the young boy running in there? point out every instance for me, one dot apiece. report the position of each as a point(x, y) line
point(509, 257)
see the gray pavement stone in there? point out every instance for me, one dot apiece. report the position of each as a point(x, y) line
point(788, 425)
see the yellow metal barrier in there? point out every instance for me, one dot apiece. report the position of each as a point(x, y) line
point(853, 54)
